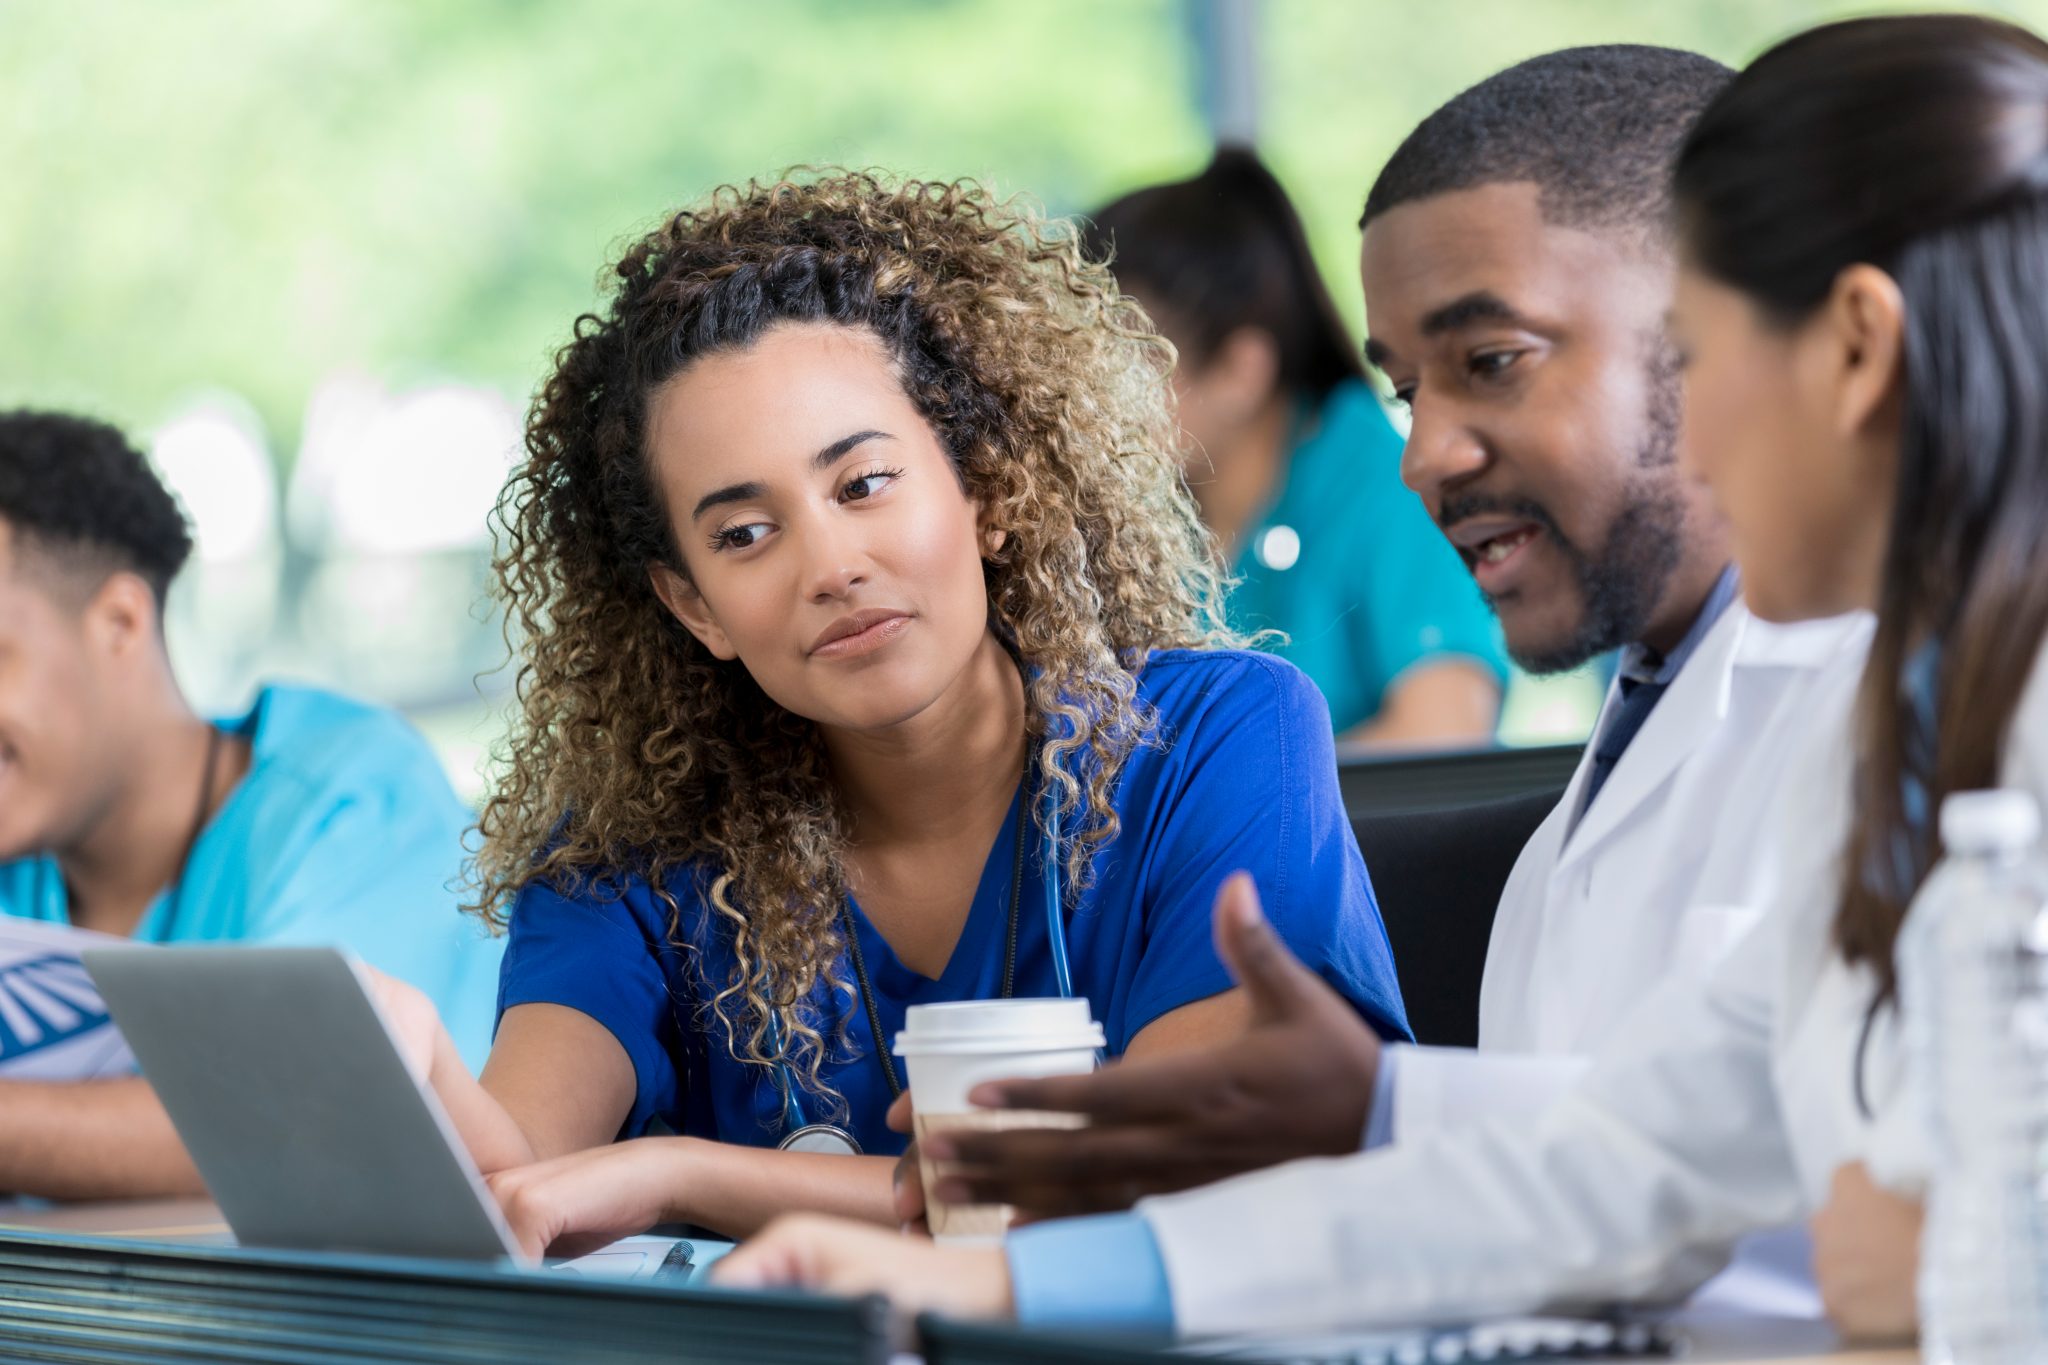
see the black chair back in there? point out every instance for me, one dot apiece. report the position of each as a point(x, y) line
point(1438, 876)
point(1379, 783)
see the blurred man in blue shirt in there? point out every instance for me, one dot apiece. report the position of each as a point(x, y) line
point(311, 819)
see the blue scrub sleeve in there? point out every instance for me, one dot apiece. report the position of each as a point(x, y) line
point(1258, 792)
point(1098, 1272)
point(1423, 603)
point(591, 953)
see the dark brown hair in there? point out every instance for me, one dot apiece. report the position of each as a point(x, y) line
point(1593, 128)
point(76, 493)
point(1223, 250)
point(1918, 145)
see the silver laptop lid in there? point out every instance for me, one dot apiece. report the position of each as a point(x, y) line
point(290, 1094)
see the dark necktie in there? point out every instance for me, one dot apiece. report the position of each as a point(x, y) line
point(1638, 699)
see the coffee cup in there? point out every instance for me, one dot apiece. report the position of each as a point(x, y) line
point(949, 1049)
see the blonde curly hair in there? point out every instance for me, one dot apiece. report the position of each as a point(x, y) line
point(634, 751)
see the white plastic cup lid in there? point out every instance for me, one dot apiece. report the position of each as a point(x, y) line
point(976, 1026)
point(1985, 821)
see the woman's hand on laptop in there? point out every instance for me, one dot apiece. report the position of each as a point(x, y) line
point(589, 1199)
point(837, 1256)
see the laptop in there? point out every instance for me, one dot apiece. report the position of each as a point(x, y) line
point(281, 1077)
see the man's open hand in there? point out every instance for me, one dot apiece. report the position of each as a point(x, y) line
point(1297, 1083)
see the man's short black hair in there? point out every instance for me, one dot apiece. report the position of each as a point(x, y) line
point(1596, 129)
point(74, 491)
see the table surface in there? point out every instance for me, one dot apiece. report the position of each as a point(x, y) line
point(175, 1220)
point(1731, 1339)
point(1727, 1339)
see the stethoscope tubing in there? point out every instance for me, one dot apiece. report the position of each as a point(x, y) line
point(796, 1124)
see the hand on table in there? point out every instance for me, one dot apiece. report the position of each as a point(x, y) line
point(1297, 1083)
point(835, 1256)
point(1866, 1258)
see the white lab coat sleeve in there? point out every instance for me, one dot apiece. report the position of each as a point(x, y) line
point(1900, 1154)
point(1451, 1087)
point(1634, 1185)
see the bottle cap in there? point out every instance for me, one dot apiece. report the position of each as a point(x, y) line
point(1989, 821)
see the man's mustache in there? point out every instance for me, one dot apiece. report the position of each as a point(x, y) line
point(1469, 505)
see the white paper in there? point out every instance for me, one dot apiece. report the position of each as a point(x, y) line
point(632, 1258)
point(53, 1026)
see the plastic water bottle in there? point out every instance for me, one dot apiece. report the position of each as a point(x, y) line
point(1973, 961)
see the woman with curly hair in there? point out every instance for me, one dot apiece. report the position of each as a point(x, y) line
point(862, 603)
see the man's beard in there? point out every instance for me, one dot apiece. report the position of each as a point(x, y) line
point(1621, 583)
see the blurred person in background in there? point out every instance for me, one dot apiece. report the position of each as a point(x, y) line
point(1295, 465)
point(310, 819)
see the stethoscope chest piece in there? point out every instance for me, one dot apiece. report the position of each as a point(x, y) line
point(823, 1139)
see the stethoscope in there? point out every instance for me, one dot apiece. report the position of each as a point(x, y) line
point(799, 1133)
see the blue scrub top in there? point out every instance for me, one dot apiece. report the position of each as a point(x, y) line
point(344, 832)
point(1348, 563)
point(1243, 776)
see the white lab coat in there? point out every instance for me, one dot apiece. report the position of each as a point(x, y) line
point(1663, 873)
point(1721, 1104)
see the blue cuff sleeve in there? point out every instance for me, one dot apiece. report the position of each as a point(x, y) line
point(1379, 1124)
point(1099, 1272)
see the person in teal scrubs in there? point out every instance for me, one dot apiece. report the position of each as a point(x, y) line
point(309, 820)
point(1297, 468)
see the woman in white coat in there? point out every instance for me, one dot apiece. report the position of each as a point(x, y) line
point(1864, 225)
